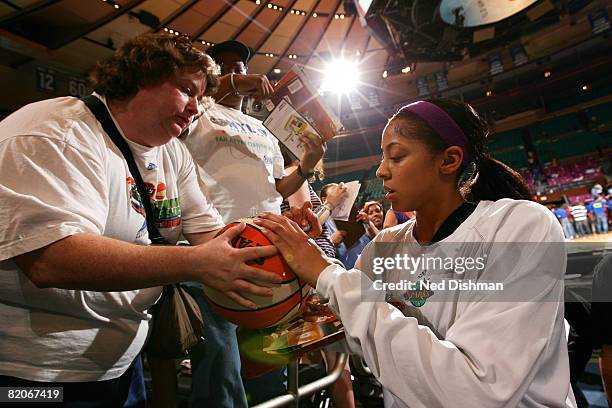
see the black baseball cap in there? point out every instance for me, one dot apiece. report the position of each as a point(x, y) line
point(239, 48)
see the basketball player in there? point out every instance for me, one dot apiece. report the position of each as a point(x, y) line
point(441, 348)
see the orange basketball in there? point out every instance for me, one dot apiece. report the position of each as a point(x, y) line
point(272, 310)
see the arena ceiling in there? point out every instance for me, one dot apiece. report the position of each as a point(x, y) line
point(281, 33)
point(71, 35)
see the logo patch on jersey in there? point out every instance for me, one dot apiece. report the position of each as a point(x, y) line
point(419, 296)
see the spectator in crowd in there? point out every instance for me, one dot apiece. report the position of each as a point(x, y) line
point(242, 166)
point(393, 218)
point(591, 327)
point(599, 209)
point(581, 222)
point(371, 216)
point(561, 215)
point(568, 212)
point(609, 208)
point(332, 195)
point(78, 274)
point(601, 318)
point(596, 190)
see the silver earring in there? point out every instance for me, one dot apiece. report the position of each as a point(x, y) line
point(470, 172)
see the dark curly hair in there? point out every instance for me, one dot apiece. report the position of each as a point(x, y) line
point(494, 179)
point(148, 60)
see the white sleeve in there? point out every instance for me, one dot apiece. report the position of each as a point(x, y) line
point(278, 162)
point(48, 190)
point(493, 349)
point(197, 212)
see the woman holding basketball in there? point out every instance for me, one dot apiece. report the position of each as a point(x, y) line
point(435, 346)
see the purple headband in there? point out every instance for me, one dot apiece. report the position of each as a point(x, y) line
point(442, 124)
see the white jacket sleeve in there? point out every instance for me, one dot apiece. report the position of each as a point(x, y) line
point(493, 349)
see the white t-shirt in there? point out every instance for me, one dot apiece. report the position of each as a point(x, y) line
point(60, 174)
point(239, 160)
point(473, 348)
point(579, 212)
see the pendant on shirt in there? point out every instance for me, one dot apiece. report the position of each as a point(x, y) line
point(151, 166)
point(416, 297)
point(419, 296)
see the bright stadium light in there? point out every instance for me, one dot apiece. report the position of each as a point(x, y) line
point(341, 76)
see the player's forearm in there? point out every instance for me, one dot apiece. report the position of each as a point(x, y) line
point(92, 262)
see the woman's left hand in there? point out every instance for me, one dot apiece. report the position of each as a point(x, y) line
point(303, 256)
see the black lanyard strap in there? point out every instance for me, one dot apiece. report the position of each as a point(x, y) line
point(97, 107)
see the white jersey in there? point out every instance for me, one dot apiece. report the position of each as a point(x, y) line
point(239, 160)
point(472, 349)
point(60, 175)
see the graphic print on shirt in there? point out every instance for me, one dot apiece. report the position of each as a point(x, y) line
point(136, 203)
point(236, 129)
point(167, 210)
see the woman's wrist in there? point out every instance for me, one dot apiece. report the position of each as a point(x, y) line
point(322, 266)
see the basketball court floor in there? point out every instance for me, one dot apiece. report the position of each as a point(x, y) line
point(596, 238)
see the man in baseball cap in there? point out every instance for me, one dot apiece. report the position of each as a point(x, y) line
point(233, 57)
point(236, 47)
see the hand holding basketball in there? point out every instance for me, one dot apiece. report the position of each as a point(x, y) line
point(283, 297)
point(225, 268)
point(303, 255)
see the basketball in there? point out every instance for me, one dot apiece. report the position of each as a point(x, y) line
point(272, 310)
